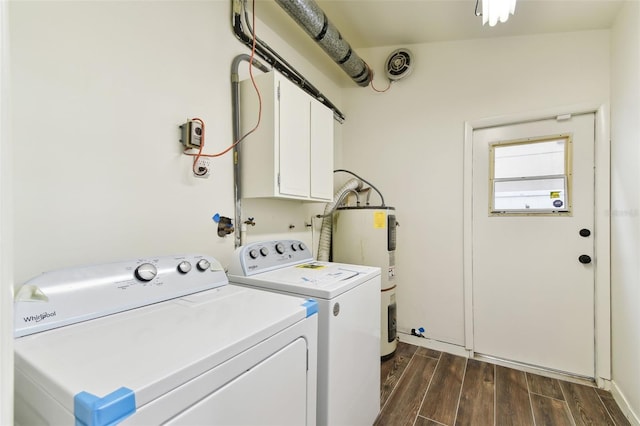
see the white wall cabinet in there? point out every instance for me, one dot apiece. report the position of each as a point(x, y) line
point(290, 155)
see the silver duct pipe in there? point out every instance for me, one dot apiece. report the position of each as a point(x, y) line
point(312, 19)
point(274, 60)
point(324, 245)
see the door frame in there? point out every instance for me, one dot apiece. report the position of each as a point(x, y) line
point(602, 251)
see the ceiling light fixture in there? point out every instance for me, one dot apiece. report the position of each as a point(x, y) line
point(496, 10)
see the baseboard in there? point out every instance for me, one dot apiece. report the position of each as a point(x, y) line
point(622, 402)
point(533, 369)
point(434, 344)
point(461, 351)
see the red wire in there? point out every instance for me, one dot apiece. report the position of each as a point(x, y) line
point(255, 86)
point(373, 87)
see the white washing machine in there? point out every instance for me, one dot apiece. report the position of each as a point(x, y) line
point(161, 341)
point(348, 299)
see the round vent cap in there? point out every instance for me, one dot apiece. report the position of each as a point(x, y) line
point(399, 64)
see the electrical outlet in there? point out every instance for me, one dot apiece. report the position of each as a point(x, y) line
point(203, 168)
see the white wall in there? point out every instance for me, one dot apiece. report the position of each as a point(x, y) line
point(625, 206)
point(98, 92)
point(99, 89)
point(6, 241)
point(409, 143)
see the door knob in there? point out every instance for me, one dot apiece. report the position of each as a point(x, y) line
point(584, 259)
point(584, 232)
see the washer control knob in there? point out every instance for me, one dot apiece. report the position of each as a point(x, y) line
point(203, 264)
point(280, 248)
point(294, 247)
point(264, 251)
point(253, 253)
point(184, 267)
point(146, 272)
point(301, 246)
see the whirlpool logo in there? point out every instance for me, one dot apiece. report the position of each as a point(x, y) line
point(39, 317)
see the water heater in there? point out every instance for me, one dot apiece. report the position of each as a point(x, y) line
point(367, 236)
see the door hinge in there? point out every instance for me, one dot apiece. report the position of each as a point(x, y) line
point(278, 180)
point(278, 94)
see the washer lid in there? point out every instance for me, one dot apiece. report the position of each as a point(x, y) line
point(154, 349)
point(324, 280)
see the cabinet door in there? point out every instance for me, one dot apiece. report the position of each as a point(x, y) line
point(294, 140)
point(321, 151)
point(259, 151)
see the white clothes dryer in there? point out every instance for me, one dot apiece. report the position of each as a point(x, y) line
point(164, 340)
point(348, 299)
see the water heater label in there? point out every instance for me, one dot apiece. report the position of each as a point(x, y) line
point(379, 220)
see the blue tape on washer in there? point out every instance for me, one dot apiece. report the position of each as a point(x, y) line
point(90, 410)
point(312, 307)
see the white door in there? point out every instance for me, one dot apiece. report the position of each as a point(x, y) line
point(533, 243)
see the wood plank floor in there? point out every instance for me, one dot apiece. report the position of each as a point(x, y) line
point(424, 387)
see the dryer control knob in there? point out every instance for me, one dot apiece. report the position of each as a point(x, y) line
point(280, 248)
point(146, 272)
point(264, 251)
point(253, 253)
point(301, 246)
point(203, 264)
point(184, 267)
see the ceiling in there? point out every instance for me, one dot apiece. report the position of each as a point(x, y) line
point(377, 23)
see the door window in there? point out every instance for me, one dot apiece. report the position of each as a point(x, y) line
point(531, 176)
